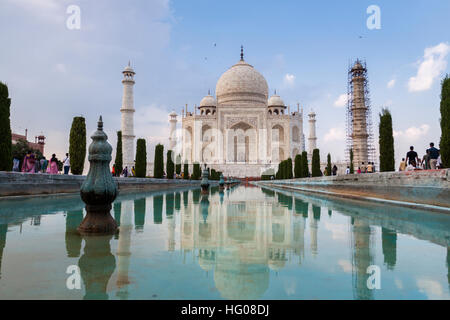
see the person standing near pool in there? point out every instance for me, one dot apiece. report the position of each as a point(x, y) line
point(433, 155)
point(412, 157)
point(66, 163)
point(53, 167)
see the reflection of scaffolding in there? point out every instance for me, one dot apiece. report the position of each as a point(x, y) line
point(359, 115)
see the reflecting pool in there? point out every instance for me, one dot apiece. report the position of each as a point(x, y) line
point(243, 243)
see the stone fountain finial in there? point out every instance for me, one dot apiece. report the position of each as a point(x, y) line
point(98, 190)
point(205, 183)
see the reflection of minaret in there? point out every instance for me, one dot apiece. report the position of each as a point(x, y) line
point(362, 258)
point(448, 266)
point(3, 230)
point(123, 248)
point(139, 214)
point(170, 221)
point(97, 264)
point(158, 202)
point(313, 229)
point(299, 236)
point(389, 244)
point(73, 238)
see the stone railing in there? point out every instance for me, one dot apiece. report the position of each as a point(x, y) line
point(430, 187)
point(22, 184)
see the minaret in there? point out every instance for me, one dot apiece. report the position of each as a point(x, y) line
point(312, 139)
point(127, 111)
point(173, 129)
point(359, 112)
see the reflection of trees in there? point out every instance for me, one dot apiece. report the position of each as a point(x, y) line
point(285, 200)
point(97, 264)
point(169, 204)
point(3, 231)
point(316, 212)
point(448, 266)
point(389, 246)
point(362, 258)
point(73, 238)
point(301, 207)
point(139, 214)
point(186, 198)
point(157, 209)
point(196, 196)
point(177, 201)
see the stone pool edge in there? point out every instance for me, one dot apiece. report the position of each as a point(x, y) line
point(17, 184)
point(427, 190)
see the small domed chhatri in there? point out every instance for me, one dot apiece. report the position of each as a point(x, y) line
point(241, 132)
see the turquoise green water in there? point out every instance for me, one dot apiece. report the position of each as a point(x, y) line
point(245, 243)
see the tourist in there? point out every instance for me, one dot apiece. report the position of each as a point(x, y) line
point(28, 163)
point(133, 172)
point(412, 157)
point(53, 166)
point(125, 171)
point(402, 166)
point(369, 167)
point(66, 163)
point(363, 168)
point(426, 160)
point(334, 170)
point(347, 171)
point(37, 165)
point(113, 171)
point(439, 163)
point(434, 155)
point(359, 170)
point(16, 165)
point(44, 164)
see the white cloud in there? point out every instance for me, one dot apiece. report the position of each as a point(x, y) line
point(60, 67)
point(391, 83)
point(341, 101)
point(431, 66)
point(335, 134)
point(431, 288)
point(412, 133)
point(338, 231)
point(345, 265)
point(289, 79)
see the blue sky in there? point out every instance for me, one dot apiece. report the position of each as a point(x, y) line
point(303, 48)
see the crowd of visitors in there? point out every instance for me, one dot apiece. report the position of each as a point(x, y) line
point(430, 161)
point(31, 164)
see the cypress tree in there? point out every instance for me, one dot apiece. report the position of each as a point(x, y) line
point(298, 166)
point(315, 164)
point(278, 174)
point(352, 166)
point(289, 168)
point(141, 158)
point(444, 144)
point(5, 129)
point(186, 171)
point(196, 172)
point(119, 156)
point(159, 162)
point(329, 164)
point(386, 141)
point(77, 145)
point(305, 169)
point(170, 165)
point(178, 164)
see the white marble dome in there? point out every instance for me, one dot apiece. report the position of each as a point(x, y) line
point(275, 101)
point(208, 101)
point(242, 83)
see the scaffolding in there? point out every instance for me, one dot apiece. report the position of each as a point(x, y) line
point(360, 71)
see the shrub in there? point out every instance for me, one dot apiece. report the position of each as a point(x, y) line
point(386, 141)
point(159, 162)
point(315, 164)
point(169, 165)
point(119, 156)
point(5, 129)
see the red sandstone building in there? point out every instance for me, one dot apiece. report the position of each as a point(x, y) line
point(38, 144)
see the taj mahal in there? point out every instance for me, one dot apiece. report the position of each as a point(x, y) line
point(240, 131)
